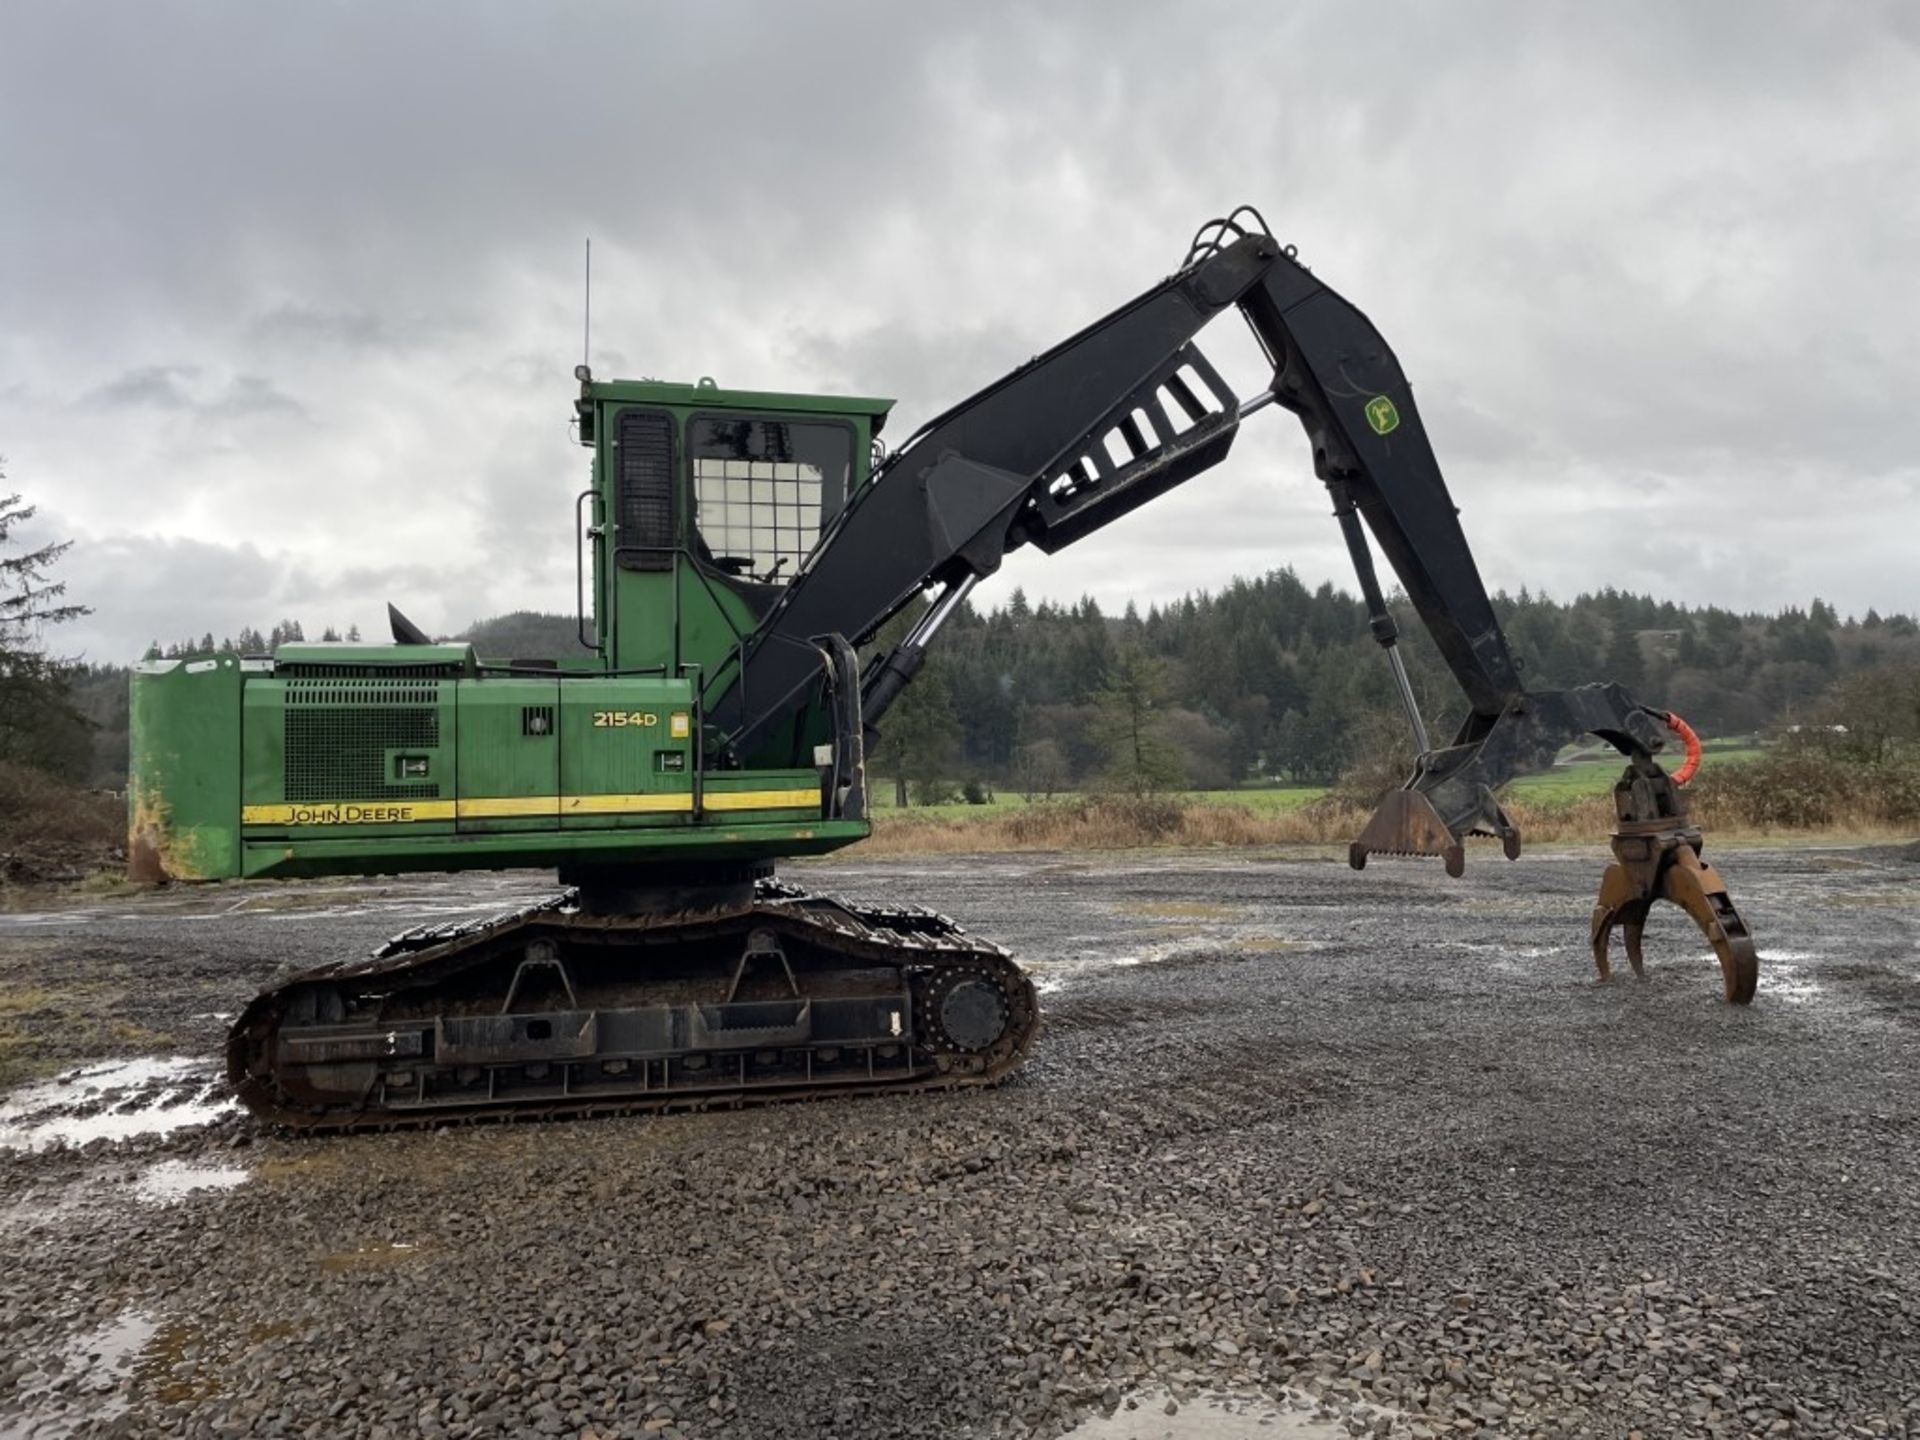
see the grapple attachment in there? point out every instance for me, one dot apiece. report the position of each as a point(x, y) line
point(1656, 848)
point(1657, 857)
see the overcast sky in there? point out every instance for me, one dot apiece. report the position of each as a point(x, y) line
point(289, 295)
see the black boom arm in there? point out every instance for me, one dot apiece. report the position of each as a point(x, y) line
point(1121, 413)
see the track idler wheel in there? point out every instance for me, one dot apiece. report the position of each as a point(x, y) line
point(1667, 866)
point(970, 1014)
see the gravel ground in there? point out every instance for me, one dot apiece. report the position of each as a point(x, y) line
point(1339, 1153)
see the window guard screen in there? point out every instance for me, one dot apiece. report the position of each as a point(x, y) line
point(646, 490)
point(763, 488)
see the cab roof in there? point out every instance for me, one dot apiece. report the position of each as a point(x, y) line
point(707, 395)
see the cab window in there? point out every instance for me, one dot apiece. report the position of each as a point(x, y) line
point(762, 489)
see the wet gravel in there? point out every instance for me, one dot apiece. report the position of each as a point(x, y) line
point(1372, 1143)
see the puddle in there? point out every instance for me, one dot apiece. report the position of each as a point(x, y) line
point(1207, 1417)
point(376, 1256)
point(91, 1372)
point(1056, 972)
point(173, 1180)
point(113, 1100)
point(43, 1208)
point(1177, 909)
point(1261, 942)
point(1783, 976)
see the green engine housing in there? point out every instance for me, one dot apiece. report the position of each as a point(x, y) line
point(355, 759)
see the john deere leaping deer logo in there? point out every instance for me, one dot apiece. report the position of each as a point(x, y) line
point(1382, 416)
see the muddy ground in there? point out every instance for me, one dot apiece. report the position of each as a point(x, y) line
point(1302, 1151)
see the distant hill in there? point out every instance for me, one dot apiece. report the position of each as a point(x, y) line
point(523, 635)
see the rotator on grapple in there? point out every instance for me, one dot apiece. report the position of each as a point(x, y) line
point(745, 550)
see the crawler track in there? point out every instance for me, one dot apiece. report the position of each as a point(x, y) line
point(550, 1011)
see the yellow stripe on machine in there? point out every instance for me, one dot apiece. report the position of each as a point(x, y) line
point(625, 804)
point(760, 799)
point(491, 808)
point(408, 812)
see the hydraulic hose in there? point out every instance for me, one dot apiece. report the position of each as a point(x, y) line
point(1691, 764)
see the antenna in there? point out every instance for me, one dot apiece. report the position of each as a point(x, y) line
point(586, 324)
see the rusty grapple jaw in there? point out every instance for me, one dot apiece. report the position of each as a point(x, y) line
point(1656, 856)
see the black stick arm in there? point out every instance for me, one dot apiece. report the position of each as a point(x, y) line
point(1334, 370)
point(1104, 422)
point(1336, 373)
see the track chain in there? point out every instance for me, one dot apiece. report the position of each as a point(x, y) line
point(929, 945)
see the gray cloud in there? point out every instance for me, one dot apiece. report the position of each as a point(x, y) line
point(148, 588)
point(254, 395)
point(302, 326)
point(173, 387)
point(1650, 267)
point(161, 386)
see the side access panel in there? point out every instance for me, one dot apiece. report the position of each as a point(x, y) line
point(509, 755)
point(626, 753)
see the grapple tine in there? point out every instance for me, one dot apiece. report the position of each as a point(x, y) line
point(1635, 927)
point(1696, 887)
point(1606, 914)
point(1619, 904)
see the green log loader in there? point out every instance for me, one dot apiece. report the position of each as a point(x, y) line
point(740, 553)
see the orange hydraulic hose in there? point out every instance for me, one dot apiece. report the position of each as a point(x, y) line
point(1691, 741)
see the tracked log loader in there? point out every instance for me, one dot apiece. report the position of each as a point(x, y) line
point(741, 552)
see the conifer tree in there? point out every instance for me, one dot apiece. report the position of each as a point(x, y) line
point(38, 724)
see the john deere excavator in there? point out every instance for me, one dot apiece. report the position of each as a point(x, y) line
point(746, 550)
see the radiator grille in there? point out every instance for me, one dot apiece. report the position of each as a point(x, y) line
point(329, 670)
point(361, 692)
point(338, 733)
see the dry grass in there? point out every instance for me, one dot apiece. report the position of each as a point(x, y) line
point(43, 1027)
point(1124, 823)
point(1104, 823)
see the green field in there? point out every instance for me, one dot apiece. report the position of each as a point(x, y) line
point(1566, 783)
point(1558, 786)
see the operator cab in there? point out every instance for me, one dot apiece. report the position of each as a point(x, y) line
point(708, 504)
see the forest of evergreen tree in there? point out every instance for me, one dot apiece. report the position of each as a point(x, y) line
point(1266, 679)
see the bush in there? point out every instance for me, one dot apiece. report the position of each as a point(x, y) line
point(1099, 820)
point(1382, 760)
point(975, 792)
point(52, 831)
point(1810, 787)
point(934, 792)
